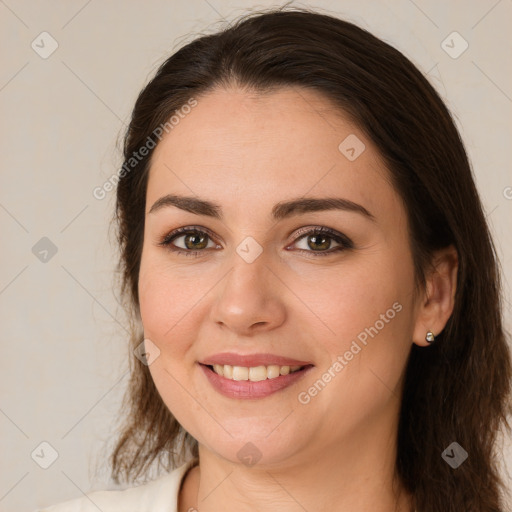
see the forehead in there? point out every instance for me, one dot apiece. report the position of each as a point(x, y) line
point(251, 150)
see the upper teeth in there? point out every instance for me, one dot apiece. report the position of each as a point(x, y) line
point(253, 373)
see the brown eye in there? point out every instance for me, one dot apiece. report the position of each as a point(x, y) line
point(193, 242)
point(319, 241)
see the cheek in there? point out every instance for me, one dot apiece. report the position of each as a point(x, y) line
point(164, 305)
point(363, 313)
point(355, 298)
point(368, 336)
point(173, 307)
point(383, 335)
point(166, 310)
point(155, 303)
point(163, 294)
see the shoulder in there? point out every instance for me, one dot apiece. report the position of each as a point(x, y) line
point(156, 496)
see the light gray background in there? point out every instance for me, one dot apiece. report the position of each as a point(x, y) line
point(64, 349)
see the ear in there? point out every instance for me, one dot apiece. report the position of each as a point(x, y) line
point(435, 305)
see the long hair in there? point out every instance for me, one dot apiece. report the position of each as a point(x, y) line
point(457, 390)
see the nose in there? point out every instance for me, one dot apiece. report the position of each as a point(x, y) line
point(250, 299)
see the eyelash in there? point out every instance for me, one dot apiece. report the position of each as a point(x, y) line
point(345, 242)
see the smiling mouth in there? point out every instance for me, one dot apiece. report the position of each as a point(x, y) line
point(252, 382)
point(254, 373)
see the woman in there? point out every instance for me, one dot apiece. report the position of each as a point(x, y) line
point(315, 292)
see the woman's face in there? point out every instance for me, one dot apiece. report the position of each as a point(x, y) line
point(261, 285)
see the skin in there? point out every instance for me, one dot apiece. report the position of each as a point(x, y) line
point(247, 152)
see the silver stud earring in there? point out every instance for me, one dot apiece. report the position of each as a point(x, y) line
point(430, 338)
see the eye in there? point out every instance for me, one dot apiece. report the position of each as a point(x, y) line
point(195, 240)
point(321, 238)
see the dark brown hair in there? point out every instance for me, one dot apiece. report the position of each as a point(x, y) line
point(459, 388)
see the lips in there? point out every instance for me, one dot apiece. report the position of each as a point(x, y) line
point(240, 383)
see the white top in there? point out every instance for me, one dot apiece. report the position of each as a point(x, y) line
point(160, 495)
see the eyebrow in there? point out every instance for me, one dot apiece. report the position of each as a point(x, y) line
point(281, 210)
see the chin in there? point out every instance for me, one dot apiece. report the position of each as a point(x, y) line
point(257, 448)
